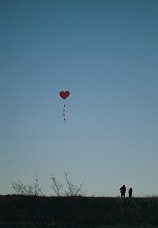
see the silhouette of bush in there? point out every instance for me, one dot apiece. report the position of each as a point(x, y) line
point(71, 188)
point(22, 189)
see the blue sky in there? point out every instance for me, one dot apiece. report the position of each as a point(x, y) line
point(105, 53)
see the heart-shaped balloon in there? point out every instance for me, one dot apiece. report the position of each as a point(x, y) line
point(64, 94)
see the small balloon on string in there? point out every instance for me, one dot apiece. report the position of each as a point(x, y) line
point(64, 95)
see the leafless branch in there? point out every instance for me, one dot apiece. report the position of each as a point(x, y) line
point(56, 186)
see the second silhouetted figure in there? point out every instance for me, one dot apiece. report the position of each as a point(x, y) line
point(130, 192)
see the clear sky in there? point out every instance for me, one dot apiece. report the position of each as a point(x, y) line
point(105, 52)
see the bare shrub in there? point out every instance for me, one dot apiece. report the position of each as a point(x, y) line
point(71, 188)
point(33, 190)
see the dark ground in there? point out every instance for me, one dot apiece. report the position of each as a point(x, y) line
point(99, 212)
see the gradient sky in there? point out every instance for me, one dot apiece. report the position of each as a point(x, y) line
point(105, 52)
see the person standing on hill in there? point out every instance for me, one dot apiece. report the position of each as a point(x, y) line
point(123, 191)
point(130, 192)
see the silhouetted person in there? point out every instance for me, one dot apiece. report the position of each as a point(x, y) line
point(123, 191)
point(130, 192)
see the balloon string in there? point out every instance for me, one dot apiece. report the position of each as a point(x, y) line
point(64, 113)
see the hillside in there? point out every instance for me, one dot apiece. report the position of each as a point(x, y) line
point(37, 211)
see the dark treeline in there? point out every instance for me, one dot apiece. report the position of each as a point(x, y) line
point(41, 211)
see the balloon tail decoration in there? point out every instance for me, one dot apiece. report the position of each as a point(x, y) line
point(64, 95)
point(64, 112)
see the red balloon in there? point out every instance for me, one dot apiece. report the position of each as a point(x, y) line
point(64, 94)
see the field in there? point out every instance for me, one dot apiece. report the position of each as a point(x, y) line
point(99, 212)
